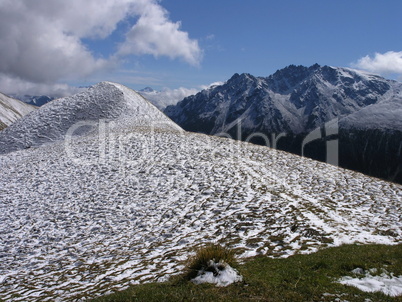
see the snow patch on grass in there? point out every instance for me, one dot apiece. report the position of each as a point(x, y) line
point(386, 283)
point(223, 275)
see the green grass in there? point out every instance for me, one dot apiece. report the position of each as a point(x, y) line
point(297, 278)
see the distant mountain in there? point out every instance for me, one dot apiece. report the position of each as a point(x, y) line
point(11, 110)
point(108, 101)
point(297, 100)
point(38, 100)
point(146, 90)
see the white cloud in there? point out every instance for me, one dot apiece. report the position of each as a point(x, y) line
point(41, 40)
point(155, 34)
point(87, 18)
point(20, 87)
point(212, 84)
point(167, 96)
point(387, 63)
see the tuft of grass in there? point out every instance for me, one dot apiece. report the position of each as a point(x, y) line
point(2, 126)
point(201, 260)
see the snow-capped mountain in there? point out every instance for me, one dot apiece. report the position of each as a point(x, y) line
point(35, 100)
point(11, 110)
point(104, 101)
point(295, 101)
point(147, 90)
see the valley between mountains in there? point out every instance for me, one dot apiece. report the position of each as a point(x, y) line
point(127, 197)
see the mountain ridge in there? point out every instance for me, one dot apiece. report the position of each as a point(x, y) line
point(295, 93)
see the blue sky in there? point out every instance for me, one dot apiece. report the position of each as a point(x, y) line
point(260, 36)
point(189, 44)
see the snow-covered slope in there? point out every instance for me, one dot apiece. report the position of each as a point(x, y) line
point(80, 221)
point(104, 101)
point(386, 115)
point(11, 110)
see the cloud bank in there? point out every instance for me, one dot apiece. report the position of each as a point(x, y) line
point(387, 63)
point(9, 85)
point(167, 96)
point(41, 40)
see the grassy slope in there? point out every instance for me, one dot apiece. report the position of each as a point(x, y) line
point(297, 278)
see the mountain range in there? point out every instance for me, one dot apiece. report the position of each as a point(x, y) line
point(291, 109)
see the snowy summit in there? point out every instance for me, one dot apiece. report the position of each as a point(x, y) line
point(104, 101)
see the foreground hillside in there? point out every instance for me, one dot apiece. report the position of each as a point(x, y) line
point(90, 218)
